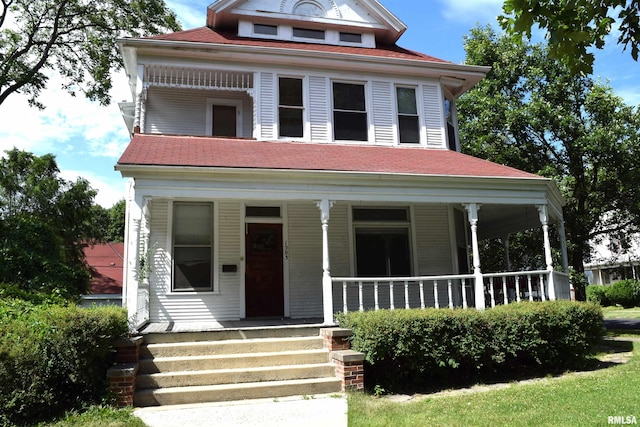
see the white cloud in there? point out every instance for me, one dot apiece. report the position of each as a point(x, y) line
point(471, 11)
point(109, 191)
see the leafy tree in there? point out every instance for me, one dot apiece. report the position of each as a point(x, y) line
point(76, 38)
point(115, 231)
point(573, 26)
point(533, 113)
point(43, 222)
point(109, 223)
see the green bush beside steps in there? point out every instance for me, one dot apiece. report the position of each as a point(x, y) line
point(420, 350)
point(53, 358)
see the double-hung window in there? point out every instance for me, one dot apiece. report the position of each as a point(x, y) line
point(291, 107)
point(408, 119)
point(192, 246)
point(382, 242)
point(349, 112)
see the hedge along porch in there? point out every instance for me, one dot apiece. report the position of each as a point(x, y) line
point(303, 225)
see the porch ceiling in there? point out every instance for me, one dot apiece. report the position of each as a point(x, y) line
point(502, 220)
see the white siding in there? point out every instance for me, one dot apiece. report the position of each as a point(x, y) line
point(165, 306)
point(305, 260)
point(267, 106)
point(433, 115)
point(184, 112)
point(305, 256)
point(318, 108)
point(434, 247)
point(383, 112)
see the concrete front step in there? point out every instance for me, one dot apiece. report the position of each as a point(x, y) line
point(230, 392)
point(232, 361)
point(234, 376)
point(243, 346)
point(233, 334)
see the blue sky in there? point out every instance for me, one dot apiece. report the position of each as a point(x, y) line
point(87, 139)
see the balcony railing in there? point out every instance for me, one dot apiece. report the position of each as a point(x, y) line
point(197, 78)
point(449, 291)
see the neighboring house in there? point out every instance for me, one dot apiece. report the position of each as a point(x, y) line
point(289, 159)
point(610, 262)
point(105, 262)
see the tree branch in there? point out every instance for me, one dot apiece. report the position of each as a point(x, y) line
point(27, 77)
point(5, 10)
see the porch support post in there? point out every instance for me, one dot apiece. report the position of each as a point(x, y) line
point(472, 210)
point(507, 254)
point(563, 246)
point(141, 102)
point(327, 287)
point(544, 219)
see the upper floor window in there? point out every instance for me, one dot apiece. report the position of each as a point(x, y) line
point(351, 38)
point(451, 129)
point(349, 112)
point(306, 33)
point(269, 30)
point(408, 120)
point(291, 107)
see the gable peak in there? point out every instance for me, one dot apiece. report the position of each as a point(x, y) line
point(345, 15)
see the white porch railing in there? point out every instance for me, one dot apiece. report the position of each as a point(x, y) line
point(504, 288)
point(562, 285)
point(197, 78)
point(142, 308)
point(374, 293)
point(449, 291)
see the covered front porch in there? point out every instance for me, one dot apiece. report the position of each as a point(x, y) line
point(334, 227)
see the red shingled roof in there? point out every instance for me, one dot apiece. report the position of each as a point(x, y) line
point(105, 263)
point(209, 35)
point(163, 150)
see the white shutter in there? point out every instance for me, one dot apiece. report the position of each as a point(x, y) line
point(383, 112)
point(318, 109)
point(267, 106)
point(434, 115)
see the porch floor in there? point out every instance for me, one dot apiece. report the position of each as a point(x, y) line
point(203, 326)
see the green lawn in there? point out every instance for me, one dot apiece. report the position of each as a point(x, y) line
point(99, 416)
point(621, 313)
point(582, 399)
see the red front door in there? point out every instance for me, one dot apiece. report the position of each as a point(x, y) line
point(264, 286)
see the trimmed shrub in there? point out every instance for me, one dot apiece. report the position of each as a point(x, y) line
point(407, 350)
point(54, 358)
point(625, 293)
point(597, 294)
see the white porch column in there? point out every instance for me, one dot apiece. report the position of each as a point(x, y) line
point(327, 286)
point(472, 210)
point(544, 219)
point(133, 234)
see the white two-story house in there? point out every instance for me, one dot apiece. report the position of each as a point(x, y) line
point(289, 160)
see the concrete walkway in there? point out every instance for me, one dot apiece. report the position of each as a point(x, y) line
point(622, 323)
point(315, 411)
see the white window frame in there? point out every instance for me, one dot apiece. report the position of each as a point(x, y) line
point(304, 108)
point(226, 102)
point(367, 111)
point(418, 114)
point(215, 265)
